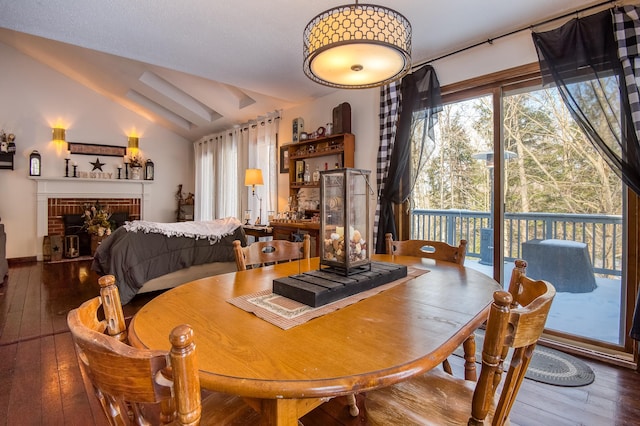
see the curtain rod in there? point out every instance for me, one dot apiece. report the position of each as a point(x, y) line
point(491, 40)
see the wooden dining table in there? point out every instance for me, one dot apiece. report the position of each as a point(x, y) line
point(381, 340)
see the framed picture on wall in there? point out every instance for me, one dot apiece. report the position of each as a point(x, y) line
point(284, 159)
point(93, 149)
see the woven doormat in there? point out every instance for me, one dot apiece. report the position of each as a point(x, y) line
point(547, 366)
point(286, 313)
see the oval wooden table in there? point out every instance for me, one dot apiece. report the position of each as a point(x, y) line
point(386, 338)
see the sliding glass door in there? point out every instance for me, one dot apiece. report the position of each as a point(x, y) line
point(550, 199)
point(564, 215)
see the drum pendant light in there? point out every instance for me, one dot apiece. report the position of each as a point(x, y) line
point(357, 46)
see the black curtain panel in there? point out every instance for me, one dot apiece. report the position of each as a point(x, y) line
point(420, 101)
point(594, 62)
point(581, 59)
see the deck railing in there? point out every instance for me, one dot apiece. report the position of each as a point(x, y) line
point(601, 233)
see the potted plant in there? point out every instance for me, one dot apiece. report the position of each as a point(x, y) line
point(136, 162)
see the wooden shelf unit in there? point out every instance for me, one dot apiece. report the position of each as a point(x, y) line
point(6, 160)
point(342, 144)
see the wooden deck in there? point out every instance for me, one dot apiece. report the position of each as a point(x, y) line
point(41, 383)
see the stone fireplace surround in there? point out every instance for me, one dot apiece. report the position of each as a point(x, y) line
point(57, 197)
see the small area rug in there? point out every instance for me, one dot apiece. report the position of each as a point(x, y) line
point(548, 366)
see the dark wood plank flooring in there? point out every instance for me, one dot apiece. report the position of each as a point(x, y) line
point(40, 383)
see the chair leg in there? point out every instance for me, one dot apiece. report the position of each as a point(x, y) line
point(470, 372)
point(469, 346)
point(353, 406)
point(447, 367)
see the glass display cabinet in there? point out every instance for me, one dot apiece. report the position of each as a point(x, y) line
point(345, 227)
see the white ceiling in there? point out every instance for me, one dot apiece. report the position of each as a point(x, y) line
point(197, 66)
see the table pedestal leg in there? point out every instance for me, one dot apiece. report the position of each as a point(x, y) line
point(286, 412)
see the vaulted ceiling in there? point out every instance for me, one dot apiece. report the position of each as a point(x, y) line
point(197, 66)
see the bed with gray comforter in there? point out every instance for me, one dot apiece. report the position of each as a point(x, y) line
point(136, 256)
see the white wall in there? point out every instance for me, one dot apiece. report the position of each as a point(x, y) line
point(35, 98)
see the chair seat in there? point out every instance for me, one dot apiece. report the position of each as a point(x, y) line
point(435, 398)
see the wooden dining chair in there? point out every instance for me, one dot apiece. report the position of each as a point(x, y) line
point(437, 250)
point(263, 253)
point(516, 320)
point(137, 386)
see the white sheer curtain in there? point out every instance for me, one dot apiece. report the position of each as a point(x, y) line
point(220, 162)
point(216, 158)
point(205, 178)
point(262, 145)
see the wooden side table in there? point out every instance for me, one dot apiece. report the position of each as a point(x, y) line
point(258, 231)
point(285, 230)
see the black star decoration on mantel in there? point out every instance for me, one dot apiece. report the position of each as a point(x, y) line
point(97, 165)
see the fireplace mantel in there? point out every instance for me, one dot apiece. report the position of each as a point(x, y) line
point(48, 187)
point(89, 188)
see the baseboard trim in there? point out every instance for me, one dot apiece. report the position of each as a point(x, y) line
point(15, 261)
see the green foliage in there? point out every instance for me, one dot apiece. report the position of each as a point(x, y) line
point(555, 168)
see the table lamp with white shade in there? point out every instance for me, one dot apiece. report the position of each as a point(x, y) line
point(253, 177)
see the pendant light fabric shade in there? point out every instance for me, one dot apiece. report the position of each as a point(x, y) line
point(357, 46)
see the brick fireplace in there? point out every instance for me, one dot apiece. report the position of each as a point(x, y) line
point(57, 208)
point(57, 197)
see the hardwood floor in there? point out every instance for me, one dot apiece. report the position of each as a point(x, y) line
point(41, 384)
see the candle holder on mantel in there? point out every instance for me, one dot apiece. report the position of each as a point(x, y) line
point(75, 170)
point(345, 230)
point(66, 167)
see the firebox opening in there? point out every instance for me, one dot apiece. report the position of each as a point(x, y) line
point(73, 225)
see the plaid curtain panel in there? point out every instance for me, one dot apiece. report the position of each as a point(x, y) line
point(627, 34)
point(390, 98)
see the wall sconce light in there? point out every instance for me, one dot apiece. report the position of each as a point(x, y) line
point(58, 138)
point(35, 163)
point(253, 177)
point(132, 145)
point(58, 135)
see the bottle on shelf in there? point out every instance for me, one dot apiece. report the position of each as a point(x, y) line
point(326, 166)
point(307, 174)
point(316, 175)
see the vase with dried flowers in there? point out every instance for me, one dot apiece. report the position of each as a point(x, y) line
point(96, 219)
point(136, 162)
point(96, 223)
